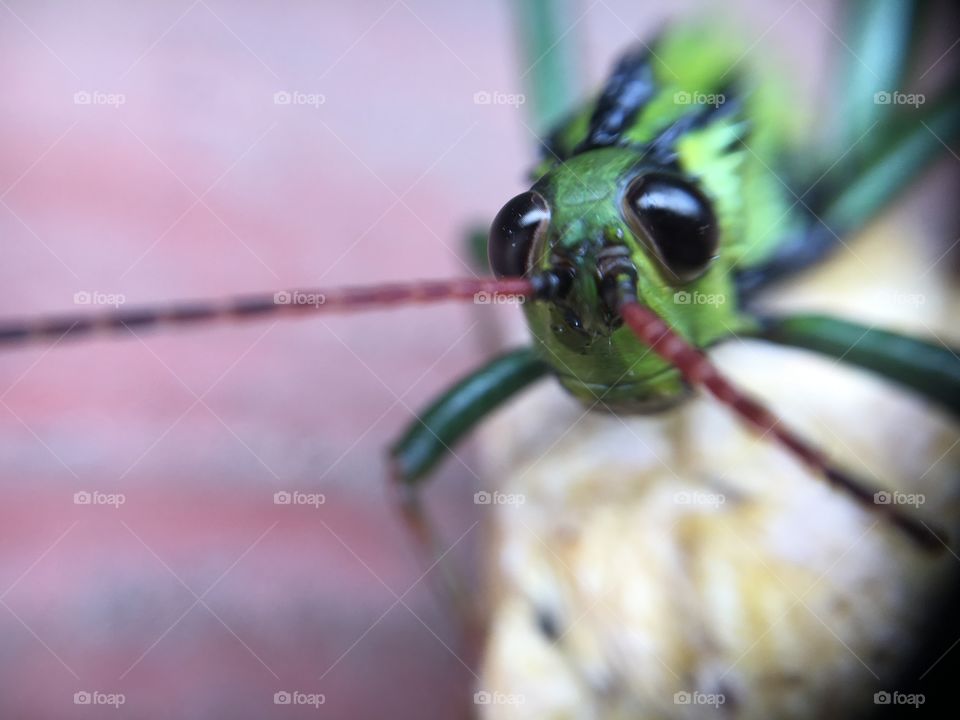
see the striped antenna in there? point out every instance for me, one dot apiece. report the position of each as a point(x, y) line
point(287, 302)
point(697, 370)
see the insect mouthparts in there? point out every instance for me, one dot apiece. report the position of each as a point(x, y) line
point(553, 283)
point(617, 276)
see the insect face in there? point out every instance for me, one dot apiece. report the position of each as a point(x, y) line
point(602, 210)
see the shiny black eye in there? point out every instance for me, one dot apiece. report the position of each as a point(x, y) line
point(677, 221)
point(514, 230)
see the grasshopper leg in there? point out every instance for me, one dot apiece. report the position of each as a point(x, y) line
point(449, 588)
point(928, 368)
point(858, 194)
point(476, 248)
point(430, 438)
point(881, 146)
point(880, 42)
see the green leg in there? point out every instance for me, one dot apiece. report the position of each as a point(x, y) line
point(927, 368)
point(551, 63)
point(476, 242)
point(879, 37)
point(885, 141)
point(442, 425)
point(910, 145)
point(875, 165)
point(909, 148)
point(431, 437)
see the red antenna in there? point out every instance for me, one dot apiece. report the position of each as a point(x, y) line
point(289, 302)
point(697, 370)
point(695, 367)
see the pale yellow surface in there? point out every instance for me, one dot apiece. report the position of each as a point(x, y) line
point(679, 553)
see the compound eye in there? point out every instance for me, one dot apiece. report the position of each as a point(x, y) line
point(677, 222)
point(514, 232)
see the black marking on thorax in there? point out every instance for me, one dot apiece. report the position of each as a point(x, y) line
point(662, 149)
point(626, 93)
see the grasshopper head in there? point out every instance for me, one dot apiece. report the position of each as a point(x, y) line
point(602, 213)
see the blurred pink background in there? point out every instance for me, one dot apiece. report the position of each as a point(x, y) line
point(199, 597)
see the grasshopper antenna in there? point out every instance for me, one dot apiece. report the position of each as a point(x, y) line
point(699, 371)
point(289, 302)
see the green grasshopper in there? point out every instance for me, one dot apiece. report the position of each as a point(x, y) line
point(652, 195)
